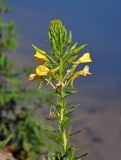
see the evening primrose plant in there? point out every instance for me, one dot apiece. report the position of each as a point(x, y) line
point(59, 69)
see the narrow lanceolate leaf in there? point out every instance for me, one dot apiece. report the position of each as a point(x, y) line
point(70, 60)
point(77, 50)
point(64, 35)
point(72, 155)
point(70, 110)
point(76, 132)
point(70, 50)
point(38, 49)
point(3, 143)
point(70, 38)
point(71, 91)
point(82, 156)
point(74, 46)
point(65, 122)
point(69, 133)
point(54, 47)
point(54, 137)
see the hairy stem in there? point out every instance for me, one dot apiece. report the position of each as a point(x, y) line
point(62, 110)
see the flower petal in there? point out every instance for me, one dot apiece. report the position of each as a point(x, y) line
point(83, 59)
point(42, 70)
point(83, 72)
point(40, 57)
point(33, 77)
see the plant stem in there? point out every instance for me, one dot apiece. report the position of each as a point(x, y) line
point(62, 111)
point(62, 129)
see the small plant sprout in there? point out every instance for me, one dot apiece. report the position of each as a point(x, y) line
point(59, 69)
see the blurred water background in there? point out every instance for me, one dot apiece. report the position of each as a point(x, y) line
point(97, 23)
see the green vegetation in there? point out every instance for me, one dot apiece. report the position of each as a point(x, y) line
point(4, 142)
point(16, 116)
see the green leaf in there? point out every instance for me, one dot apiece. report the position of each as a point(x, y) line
point(82, 156)
point(72, 59)
point(72, 154)
point(76, 132)
point(74, 46)
point(70, 51)
point(65, 122)
point(38, 49)
point(69, 92)
point(54, 137)
point(3, 143)
point(69, 132)
point(67, 56)
point(70, 38)
point(77, 50)
point(54, 46)
point(70, 110)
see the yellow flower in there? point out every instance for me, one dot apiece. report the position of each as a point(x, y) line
point(33, 77)
point(83, 59)
point(39, 57)
point(42, 70)
point(83, 72)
